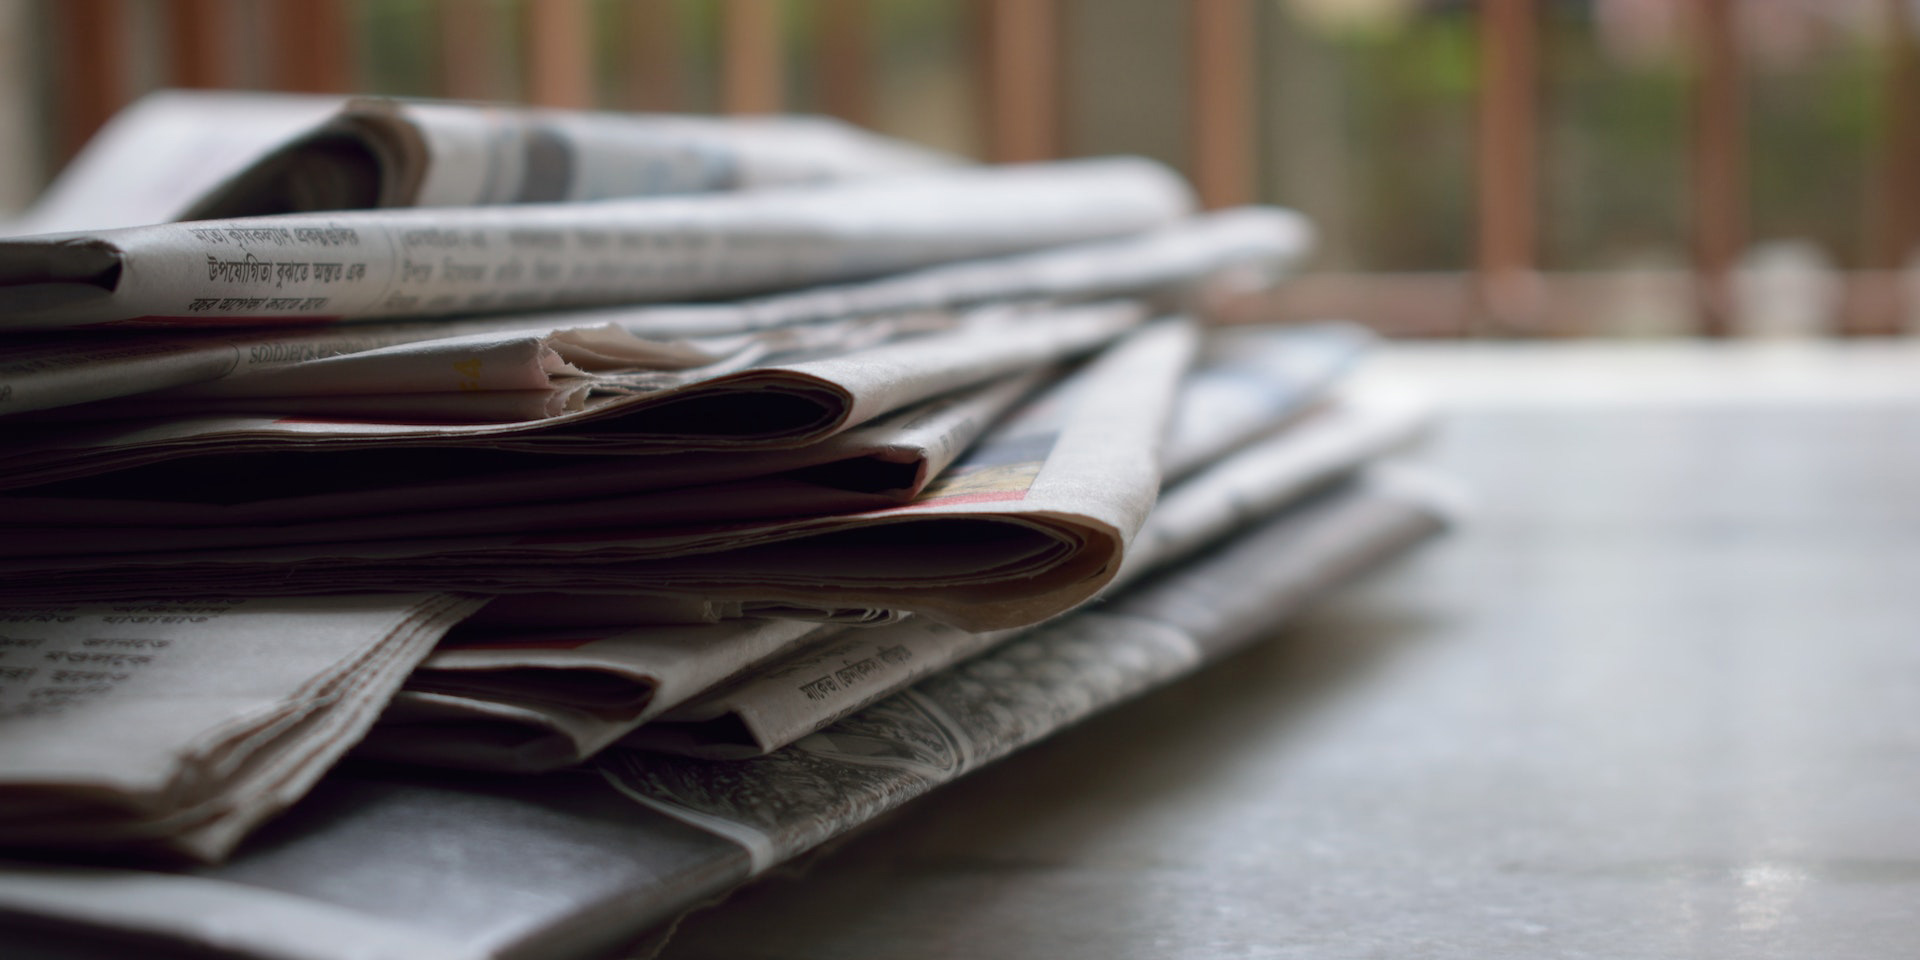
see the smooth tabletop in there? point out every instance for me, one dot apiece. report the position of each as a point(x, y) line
point(1657, 696)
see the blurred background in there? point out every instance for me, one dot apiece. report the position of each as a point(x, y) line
point(1521, 168)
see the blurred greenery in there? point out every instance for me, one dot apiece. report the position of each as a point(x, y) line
point(1614, 151)
point(1812, 128)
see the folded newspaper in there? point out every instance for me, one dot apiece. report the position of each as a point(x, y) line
point(209, 154)
point(888, 460)
point(391, 865)
point(773, 705)
point(164, 151)
point(1030, 522)
point(277, 446)
point(417, 153)
point(175, 726)
point(765, 400)
point(494, 724)
point(527, 701)
point(307, 268)
point(1247, 246)
point(825, 544)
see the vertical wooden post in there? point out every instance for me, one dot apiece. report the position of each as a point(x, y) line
point(91, 75)
point(1718, 173)
point(752, 64)
point(654, 69)
point(559, 58)
point(468, 49)
point(1893, 217)
point(846, 59)
point(1019, 52)
point(1507, 164)
point(312, 47)
point(200, 43)
point(1220, 58)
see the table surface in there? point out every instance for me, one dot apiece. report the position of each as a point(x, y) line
point(1659, 696)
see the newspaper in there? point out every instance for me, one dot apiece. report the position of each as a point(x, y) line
point(307, 268)
point(206, 154)
point(58, 371)
point(836, 487)
point(391, 865)
point(601, 359)
point(789, 801)
point(805, 691)
point(1030, 522)
point(530, 701)
point(888, 460)
point(1273, 371)
point(55, 370)
point(758, 401)
point(174, 726)
point(1252, 381)
point(411, 153)
point(161, 152)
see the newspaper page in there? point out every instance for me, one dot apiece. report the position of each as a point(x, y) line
point(770, 707)
point(1032, 521)
point(531, 701)
point(413, 153)
point(174, 726)
point(888, 460)
point(778, 401)
point(389, 865)
point(55, 370)
point(308, 268)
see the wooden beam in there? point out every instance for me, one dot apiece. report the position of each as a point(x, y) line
point(655, 68)
point(468, 47)
point(752, 60)
point(1220, 58)
point(1893, 199)
point(1507, 164)
point(91, 67)
point(1718, 172)
point(559, 55)
point(311, 47)
point(201, 40)
point(1020, 67)
point(845, 45)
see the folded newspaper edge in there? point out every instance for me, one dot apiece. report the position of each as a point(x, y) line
point(383, 866)
point(531, 702)
point(778, 401)
point(62, 370)
point(772, 706)
point(1030, 524)
point(485, 709)
point(892, 457)
point(207, 154)
point(307, 268)
point(153, 156)
point(377, 152)
point(166, 727)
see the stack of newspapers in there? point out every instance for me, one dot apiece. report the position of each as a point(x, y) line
point(632, 502)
